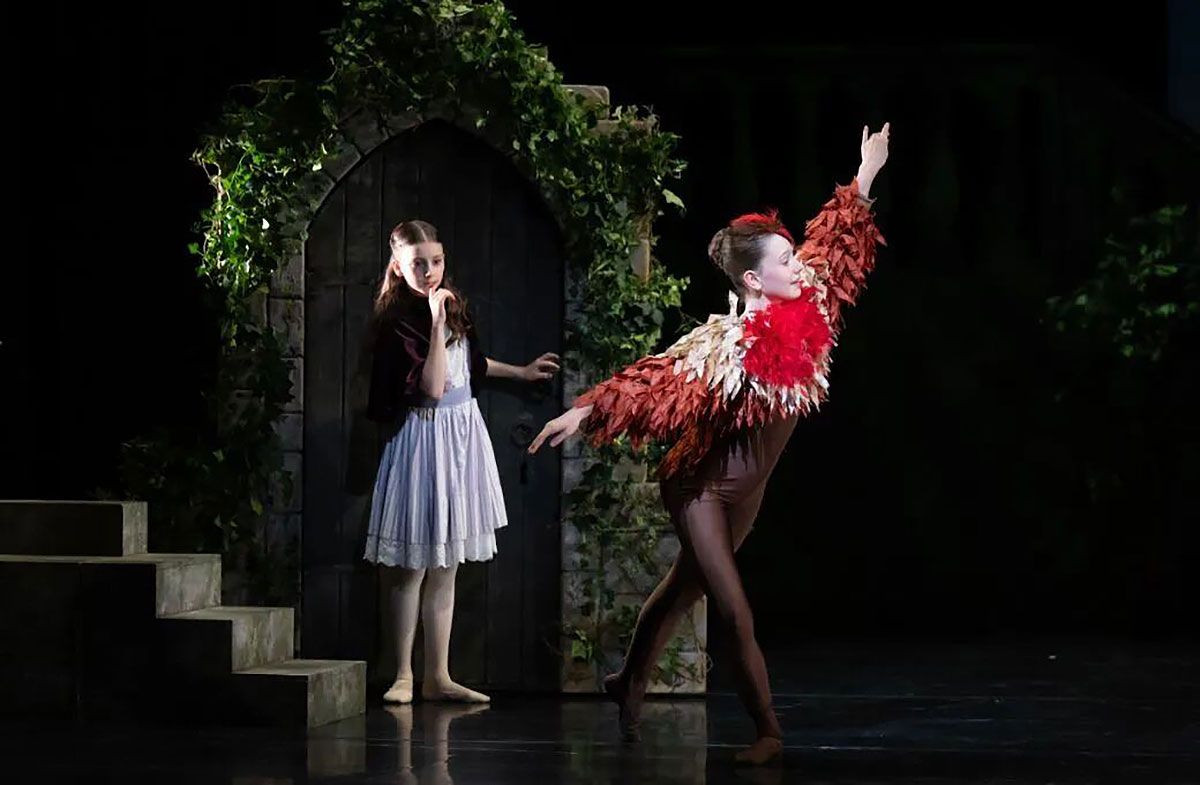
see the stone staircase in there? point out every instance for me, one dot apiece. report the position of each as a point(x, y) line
point(92, 627)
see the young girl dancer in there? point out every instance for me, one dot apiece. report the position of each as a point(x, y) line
point(437, 500)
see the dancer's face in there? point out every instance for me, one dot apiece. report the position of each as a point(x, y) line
point(777, 276)
point(422, 265)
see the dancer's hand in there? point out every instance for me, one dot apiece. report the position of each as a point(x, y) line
point(437, 304)
point(874, 156)
point(561, 427)
point(543, 367)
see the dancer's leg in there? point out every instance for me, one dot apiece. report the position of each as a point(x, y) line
point(405, 598)
point(706, 529)
point(666, 606)
point(675, 594)
point(438, 613)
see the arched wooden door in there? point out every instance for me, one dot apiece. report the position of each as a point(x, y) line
point(504, 251)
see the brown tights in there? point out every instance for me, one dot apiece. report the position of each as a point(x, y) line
point(713, 510)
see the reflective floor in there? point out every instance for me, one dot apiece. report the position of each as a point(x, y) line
point(852, 714)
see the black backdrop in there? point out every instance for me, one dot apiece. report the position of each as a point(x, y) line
point(941, 489)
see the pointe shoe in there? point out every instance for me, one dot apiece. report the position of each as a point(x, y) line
point(400, 692)
point(763, 751)
point(628, 722)
point(451, 691)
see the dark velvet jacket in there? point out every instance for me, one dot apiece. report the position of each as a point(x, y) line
point(401, 348)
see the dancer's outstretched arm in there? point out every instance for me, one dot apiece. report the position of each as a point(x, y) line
point(646, 400)
point(838, 250)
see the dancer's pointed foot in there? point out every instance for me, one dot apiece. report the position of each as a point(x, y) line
point(400, 692)
point(765, 750)
point(629, 709)
point(446, 690)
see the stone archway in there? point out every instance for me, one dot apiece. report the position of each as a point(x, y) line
point(363, 135)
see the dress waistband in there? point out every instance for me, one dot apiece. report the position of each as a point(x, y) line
point(452, 397)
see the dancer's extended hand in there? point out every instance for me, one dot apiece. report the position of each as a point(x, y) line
point(561, 427)
point(874, 156)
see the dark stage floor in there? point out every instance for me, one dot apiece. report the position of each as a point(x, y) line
point(853, 713)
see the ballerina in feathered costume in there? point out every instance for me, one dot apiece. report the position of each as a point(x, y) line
point(729, 394)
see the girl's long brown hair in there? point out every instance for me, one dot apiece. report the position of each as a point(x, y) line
point(391, 289)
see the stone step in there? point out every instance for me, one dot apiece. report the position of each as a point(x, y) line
point(304, 693)
point(72, 528)
point(144, 584)
point(79, 634)
point(213, 642)
point(98, 638)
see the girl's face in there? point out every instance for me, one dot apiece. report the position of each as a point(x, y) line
point(777, 276)
point(422, 265)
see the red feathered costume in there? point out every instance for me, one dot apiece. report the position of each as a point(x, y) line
point(739, 372)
